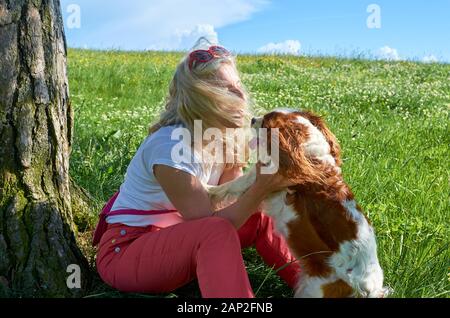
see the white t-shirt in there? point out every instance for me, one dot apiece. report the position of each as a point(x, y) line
point(140, 189)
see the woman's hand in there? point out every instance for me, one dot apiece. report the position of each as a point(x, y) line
point(269, 183)
point(230, 174)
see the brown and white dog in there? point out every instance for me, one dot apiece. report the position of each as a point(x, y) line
point(323, 225)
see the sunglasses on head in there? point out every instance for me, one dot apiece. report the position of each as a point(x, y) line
point(203, 56)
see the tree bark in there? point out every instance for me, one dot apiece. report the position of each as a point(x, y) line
point(37, 241)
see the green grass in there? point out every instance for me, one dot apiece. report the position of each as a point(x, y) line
point(391, 118)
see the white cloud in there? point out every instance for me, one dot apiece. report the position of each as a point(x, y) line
point(388, 53)
point(430, 59)
point(168, 24)
point(287, 47)
point(185, 39)
point(188, 37)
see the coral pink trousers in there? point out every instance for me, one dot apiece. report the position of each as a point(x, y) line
point(159, 260)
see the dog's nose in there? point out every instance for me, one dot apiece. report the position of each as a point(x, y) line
point(253, 121)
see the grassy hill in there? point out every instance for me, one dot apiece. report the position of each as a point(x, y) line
point(392, 119)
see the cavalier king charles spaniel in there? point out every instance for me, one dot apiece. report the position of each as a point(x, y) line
point(323, 225)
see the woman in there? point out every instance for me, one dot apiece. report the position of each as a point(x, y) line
point(160, 231)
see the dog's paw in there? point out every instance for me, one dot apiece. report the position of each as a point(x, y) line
point(220, 196)
point(217, 192)
point(385, 292)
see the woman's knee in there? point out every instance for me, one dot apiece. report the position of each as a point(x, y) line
point(215, 226)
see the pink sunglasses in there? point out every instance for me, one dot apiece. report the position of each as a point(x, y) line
point(203, 56)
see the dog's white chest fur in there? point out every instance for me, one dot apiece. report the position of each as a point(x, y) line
point(282, 214)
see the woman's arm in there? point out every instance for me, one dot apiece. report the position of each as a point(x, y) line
point(190, 198)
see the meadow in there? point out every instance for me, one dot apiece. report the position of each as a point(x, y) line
point(391, 118)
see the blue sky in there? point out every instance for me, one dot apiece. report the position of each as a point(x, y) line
point(400, 29)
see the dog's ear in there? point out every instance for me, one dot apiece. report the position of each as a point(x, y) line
point(293, 162)
point(319, 123)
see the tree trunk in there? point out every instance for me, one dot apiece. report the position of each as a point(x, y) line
point(37, 241)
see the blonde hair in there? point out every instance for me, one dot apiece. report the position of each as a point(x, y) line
point(197, 94)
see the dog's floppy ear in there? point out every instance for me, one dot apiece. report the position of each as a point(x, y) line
point(293, 162)
point(319, 123)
